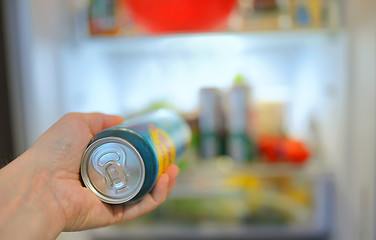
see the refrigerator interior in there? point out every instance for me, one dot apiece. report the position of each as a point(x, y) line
point(68, 70)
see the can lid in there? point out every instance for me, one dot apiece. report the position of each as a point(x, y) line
point(113, 169)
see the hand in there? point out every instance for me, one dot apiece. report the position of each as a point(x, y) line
point(43, 185)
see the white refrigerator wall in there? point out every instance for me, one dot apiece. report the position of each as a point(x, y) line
point(317, 73)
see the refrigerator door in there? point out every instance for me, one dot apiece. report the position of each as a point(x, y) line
point(356, 174)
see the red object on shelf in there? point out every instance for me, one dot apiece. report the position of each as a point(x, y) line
point(166, 16)
point(268, 147)
point(295, 151)
point(277, 149)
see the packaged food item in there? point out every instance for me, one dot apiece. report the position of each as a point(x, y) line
point(103, 19)
point(123, 163)
point(281, 149)
point(270, 119)
point(211, 124)
point(257, 15)
point(239, 142)
point(307, 13)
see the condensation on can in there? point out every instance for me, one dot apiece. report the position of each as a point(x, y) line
point(123, 163)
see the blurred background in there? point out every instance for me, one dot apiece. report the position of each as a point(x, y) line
point(280, 96)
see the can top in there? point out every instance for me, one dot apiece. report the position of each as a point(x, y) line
point(113, 169)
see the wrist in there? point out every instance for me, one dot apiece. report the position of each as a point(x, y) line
point(28, 208)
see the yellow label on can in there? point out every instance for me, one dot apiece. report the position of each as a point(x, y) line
point(165, 148)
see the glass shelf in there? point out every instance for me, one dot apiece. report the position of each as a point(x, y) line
point(211, 43)
point(319, 228)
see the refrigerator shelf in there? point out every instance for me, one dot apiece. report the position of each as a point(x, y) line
point(232, 43)
point(320, 226)
point(208, 233)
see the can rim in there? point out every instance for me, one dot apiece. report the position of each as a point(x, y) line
point(85, 175)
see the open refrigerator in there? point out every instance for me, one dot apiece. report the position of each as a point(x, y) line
point(310, 83)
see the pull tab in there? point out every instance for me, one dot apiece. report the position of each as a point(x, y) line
point(108, 157)
point(115, 176)
point(109, 165)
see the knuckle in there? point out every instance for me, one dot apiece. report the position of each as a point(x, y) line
point(73, 116)
point(75, 121)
